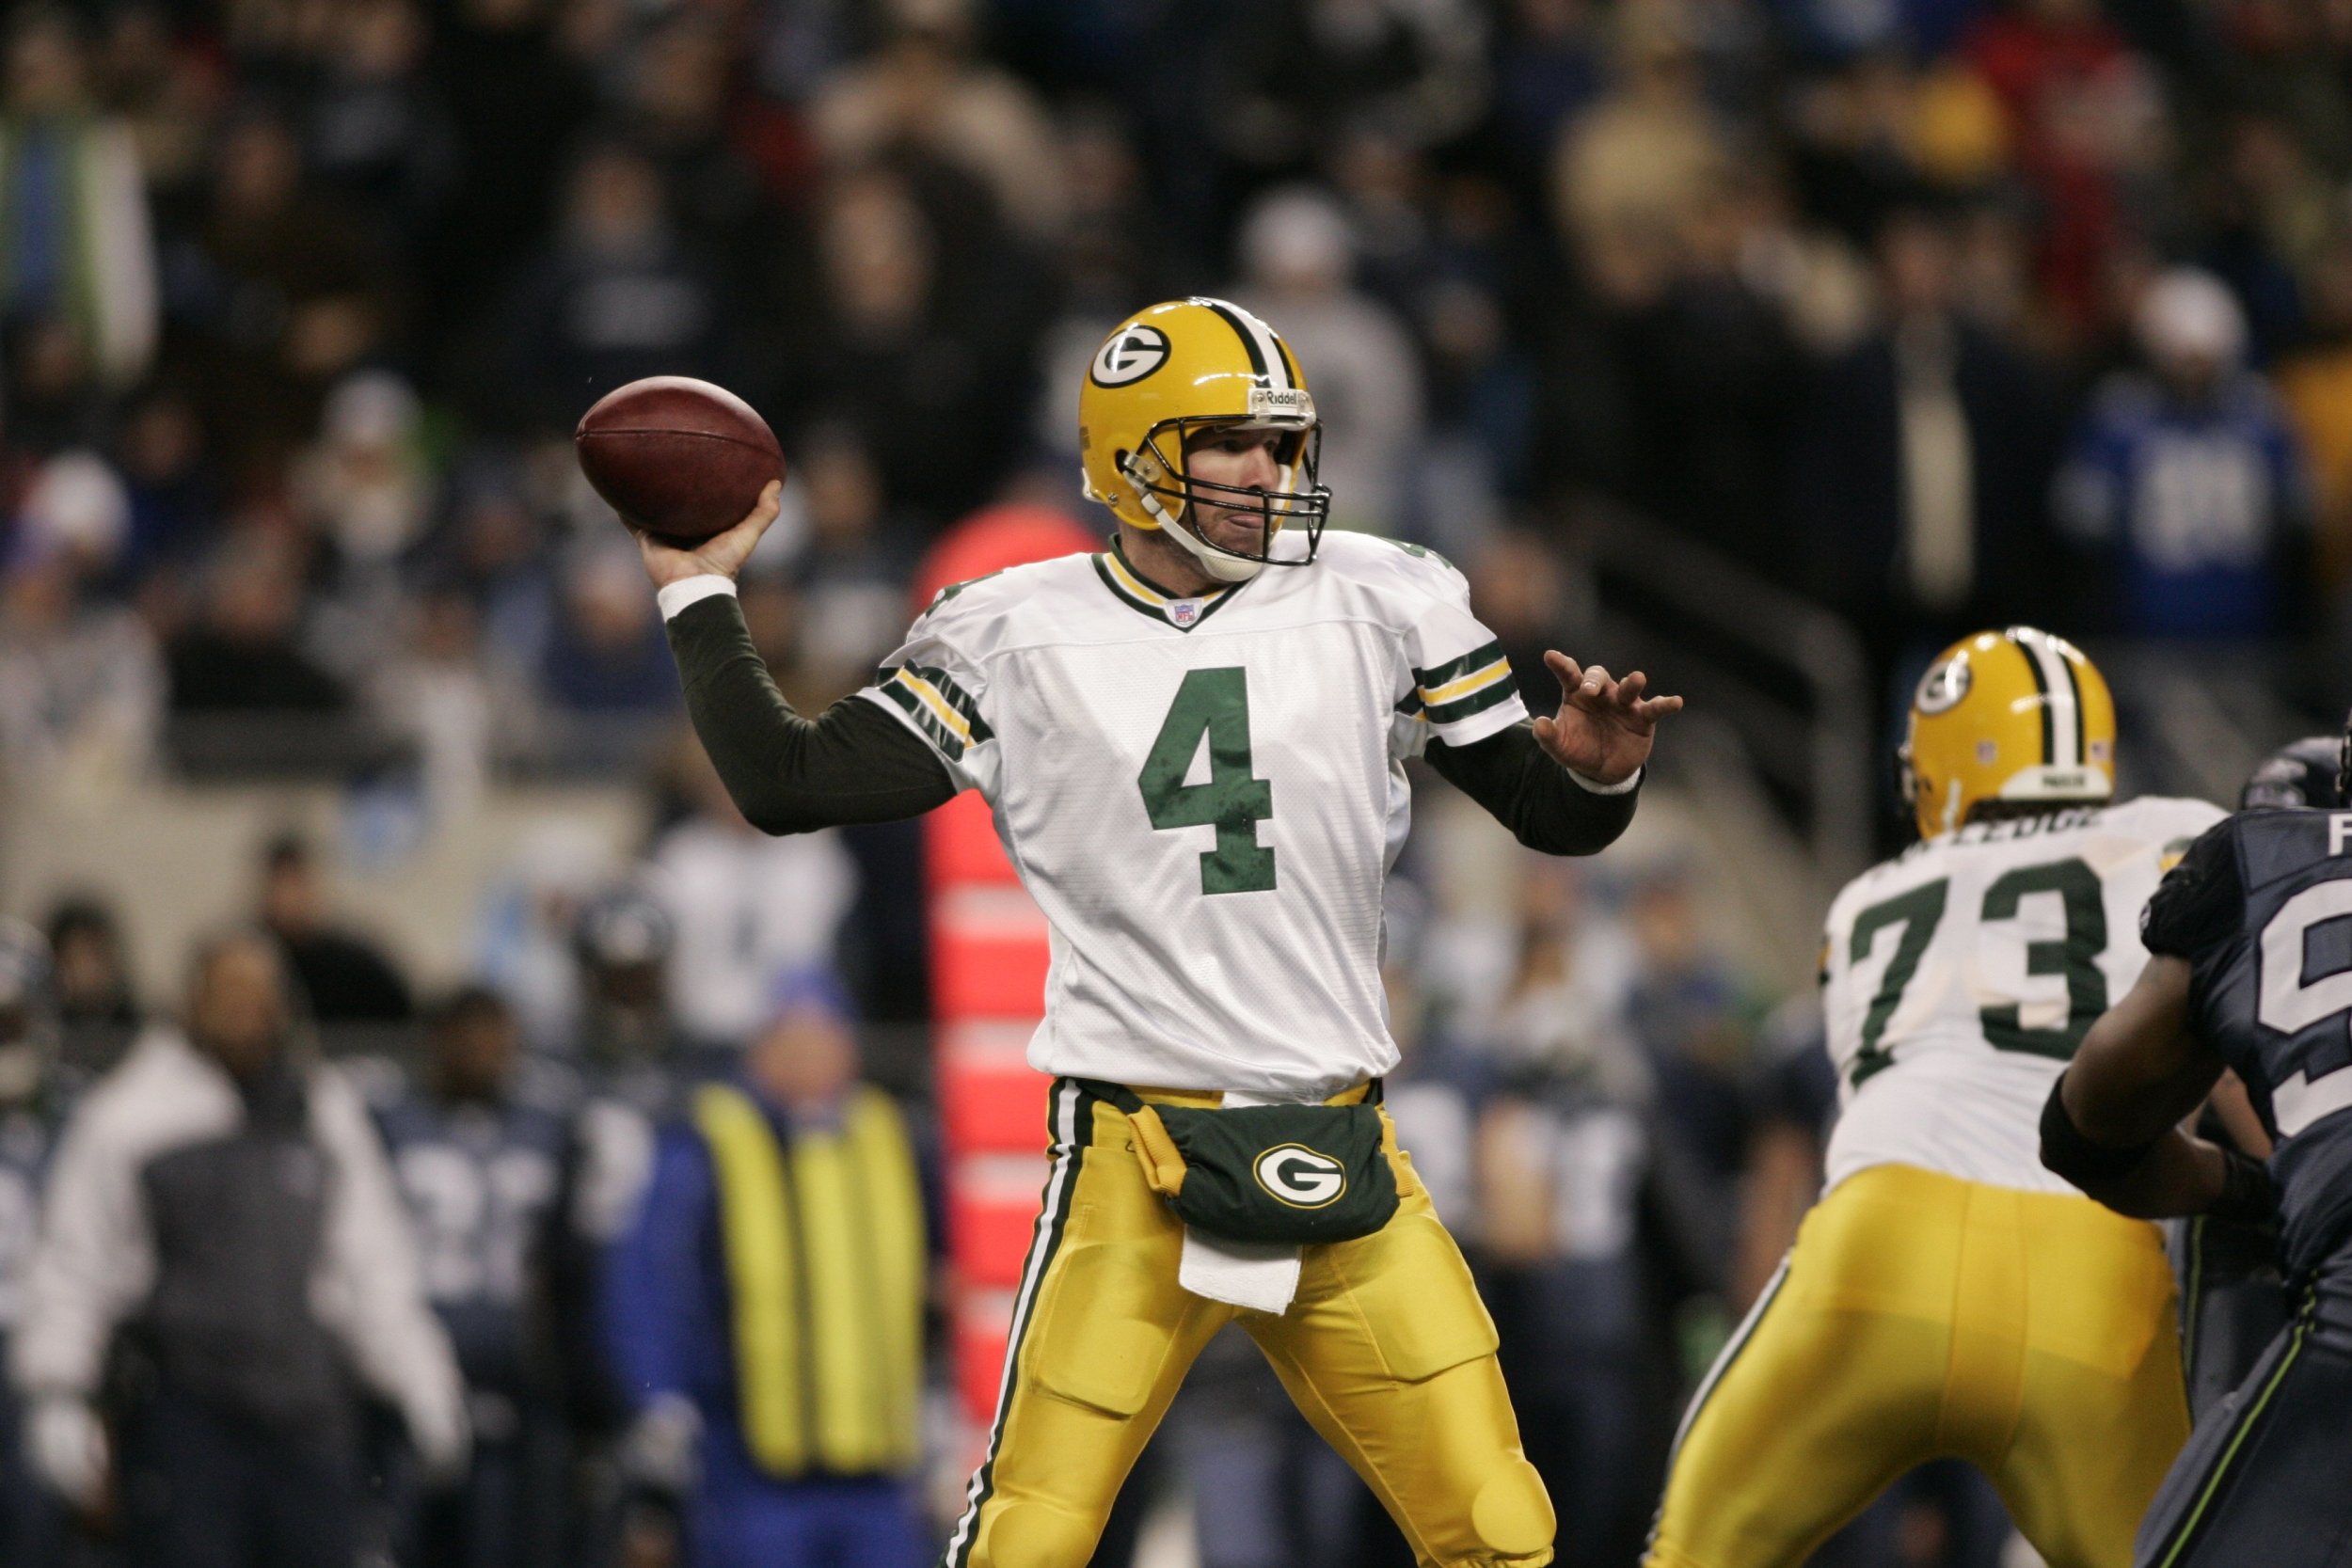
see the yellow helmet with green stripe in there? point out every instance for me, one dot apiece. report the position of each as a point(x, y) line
point(1189, 365)
point(2015, 716)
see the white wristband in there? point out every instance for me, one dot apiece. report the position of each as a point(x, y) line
point(694, 589)
point(1595, 786)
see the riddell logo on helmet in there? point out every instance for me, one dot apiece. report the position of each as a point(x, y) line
point(1289, 402)
point(1133, 352)
point(1296, 1175)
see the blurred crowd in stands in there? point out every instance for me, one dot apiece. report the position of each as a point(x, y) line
point(1936, 312)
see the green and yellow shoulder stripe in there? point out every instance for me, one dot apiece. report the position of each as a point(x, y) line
point(1461, 687)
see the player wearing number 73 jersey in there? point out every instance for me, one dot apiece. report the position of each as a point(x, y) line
point(1949, 1296)
point(1193, 744)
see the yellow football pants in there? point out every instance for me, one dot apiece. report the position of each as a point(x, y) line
point(1918, 1316)
point(1386, 1348)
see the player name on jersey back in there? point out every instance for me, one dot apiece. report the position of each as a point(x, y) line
point(1959, 978)
point(1204, 795)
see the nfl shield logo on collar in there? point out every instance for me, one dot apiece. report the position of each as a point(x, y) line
point(1185, 612)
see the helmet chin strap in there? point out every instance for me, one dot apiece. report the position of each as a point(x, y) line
point(1222, 564)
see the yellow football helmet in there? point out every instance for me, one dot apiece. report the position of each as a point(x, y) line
point(1189, 365)
point(2015, 714)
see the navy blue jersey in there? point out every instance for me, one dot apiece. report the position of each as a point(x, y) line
point(480, 1182)
point(618, 1108)
point(2262, 908)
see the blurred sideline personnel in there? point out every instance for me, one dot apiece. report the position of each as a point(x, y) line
point(2251, 971)
point(2234, 1300)
point(90, 977)
point(766, 1313)
point(621, 1080)
point(1947, 1296)
point(1194, 743)
point(33, 1096)
point(220, 1203)
point(477, 1166)
point(631, 1075)
point(344, 977)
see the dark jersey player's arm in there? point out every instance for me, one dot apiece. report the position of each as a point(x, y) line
point(853, 763)
point(1522, 789)
point(2114, 1124)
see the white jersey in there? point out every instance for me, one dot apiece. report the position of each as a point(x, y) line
point(1206, 795)
point(1959, 977)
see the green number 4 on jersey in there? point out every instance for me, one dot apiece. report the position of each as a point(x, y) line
point(1214, 704)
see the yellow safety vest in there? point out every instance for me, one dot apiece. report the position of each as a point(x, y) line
point(824, 1254)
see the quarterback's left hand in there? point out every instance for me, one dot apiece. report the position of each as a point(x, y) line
point(1604, 726)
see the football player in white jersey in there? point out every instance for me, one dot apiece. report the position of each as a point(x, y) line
point(1948, 1296)
point(1194, 746)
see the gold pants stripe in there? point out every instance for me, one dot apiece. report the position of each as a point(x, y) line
point(1739, 1342)
point(1922, 1317)
point(1386, 1348)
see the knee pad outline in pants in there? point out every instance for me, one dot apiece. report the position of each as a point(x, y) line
point(1028, 1534)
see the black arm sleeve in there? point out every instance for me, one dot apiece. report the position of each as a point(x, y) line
point(789, 775)
point(1531, 795)
point(2197, 905)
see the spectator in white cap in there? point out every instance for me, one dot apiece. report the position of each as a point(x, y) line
point(80, 680)
point(76, 504)
point(365, 482)
point(365, 487)
point(2191, 329)
point(2185, 479)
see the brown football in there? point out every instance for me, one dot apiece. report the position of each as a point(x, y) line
point(676, 456)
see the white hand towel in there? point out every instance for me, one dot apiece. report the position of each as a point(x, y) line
point(1261, 1275)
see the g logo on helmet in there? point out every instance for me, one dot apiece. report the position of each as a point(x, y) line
point(1295, 1175)
point(1942, 687)
point(1133, 352)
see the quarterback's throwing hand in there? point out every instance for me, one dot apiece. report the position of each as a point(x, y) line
point(723, 554)
point(1604, 726)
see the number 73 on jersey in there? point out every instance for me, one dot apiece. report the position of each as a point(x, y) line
point(1918, 913)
